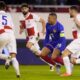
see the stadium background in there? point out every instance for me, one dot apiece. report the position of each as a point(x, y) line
point(25, 56)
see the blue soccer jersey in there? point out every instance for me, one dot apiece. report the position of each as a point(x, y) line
point(55, 37)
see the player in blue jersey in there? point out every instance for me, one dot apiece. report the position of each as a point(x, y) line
point(55, 41)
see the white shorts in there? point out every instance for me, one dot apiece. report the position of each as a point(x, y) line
point(74, 47)
point(8, 40)
point(11, 46)
point(4, 40)
point(34, 40)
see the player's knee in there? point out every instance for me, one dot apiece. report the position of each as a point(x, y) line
point(42, 54)
point(65, 53)
point(45, 51)
point(13, 55)
point(53, 57)
point(73, 60)
point(28, 45)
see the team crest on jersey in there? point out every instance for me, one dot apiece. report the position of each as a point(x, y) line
point(54, 31)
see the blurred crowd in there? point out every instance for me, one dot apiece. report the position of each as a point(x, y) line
point(44, 2)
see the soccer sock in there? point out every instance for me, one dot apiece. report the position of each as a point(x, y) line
point(72, 66)
point(34, 49)
point(48, 60)
point(59, 60)
point(78, 61)
point(67, 64)
point(16, 65)
point(3, 56)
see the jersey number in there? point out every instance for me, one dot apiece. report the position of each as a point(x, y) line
point(4, 20)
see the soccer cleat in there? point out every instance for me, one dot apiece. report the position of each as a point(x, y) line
point(7, 66)
point(7, 63)
point(18, 76)
point(58, 67)
point(51, 68)
point(65, 75)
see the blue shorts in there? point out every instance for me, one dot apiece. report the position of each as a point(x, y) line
point(59, 46)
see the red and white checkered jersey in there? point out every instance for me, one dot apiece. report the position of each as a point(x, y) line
point(31, 20)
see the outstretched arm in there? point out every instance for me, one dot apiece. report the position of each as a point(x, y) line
point(22, 26)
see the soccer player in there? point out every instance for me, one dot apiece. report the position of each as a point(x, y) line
point(55, 40)
point(73, 48)
point(7, 39)
point(30, 24)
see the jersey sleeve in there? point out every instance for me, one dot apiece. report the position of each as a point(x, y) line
point(36, 17)
point(47, 35)
point(11, 21)
point(78, 17)
point(61, 30)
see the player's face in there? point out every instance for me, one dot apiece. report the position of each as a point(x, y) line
point(25, 10)
point(72, 13)
point(52, 20)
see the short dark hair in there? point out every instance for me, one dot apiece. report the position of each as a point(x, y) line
point(74, 8)
point(53, 14)
point(24, 5)
point(2, 5)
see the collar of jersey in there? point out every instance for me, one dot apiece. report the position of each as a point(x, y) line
point(2, 11)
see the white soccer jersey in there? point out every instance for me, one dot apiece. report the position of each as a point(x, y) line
point(6, 21)
point(78, 30)
point(7, 38)
point(74, 46)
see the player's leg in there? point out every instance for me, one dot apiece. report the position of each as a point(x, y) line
point(72, 48)
point(6, 51)
point(55, 57)
point(4, 39)
point(15, 63)
point(75, 58)
point(12, 50)
point(44, 55)
point(67, 63)
point(33, 46)
point(59, 48)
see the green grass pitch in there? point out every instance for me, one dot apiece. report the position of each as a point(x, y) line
point(37, 73)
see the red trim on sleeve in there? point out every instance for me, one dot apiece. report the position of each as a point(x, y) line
point(74, 33)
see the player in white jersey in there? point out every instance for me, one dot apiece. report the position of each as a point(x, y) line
point(7, 38)
point(73, 48)
point(30, 22)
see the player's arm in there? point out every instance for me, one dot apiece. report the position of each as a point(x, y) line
point(61, 30)
point(74, 33)
point(42, 21)
point(22, 26)
point(43, 25)
point(77, 21)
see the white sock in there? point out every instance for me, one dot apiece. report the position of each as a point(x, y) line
point(3, 56)
point(78, 61)
point(67, 64)
point(35, 49)
point(72, 66)
point(16, 65)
